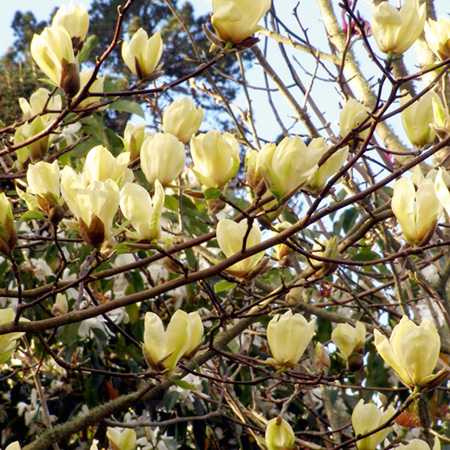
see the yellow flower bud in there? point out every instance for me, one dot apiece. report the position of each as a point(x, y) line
point(143, 212)
point(182, 119)
point(121, 439)
point(216, 158)
point(348, 339)
point(396, 30)
point(53, 53)
point(279, 435)
point(8, 342)
point(288, 336)
point(412, 351)
point(60, 306)
point(417, 118)
point(75, 20)
point(230, 237)
point(43, 182)
point(352, 114)
point(367, 417)
point(236, 20)
point(133, 138)
point(8, 234)
point(416, 211)
point(141, 54)
point(163, 158)
point(437, 35)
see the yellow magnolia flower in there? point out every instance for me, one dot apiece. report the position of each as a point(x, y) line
point(163, 158)
point(164, 348)
point(141, 54)
point(53, 53)
point(8, 234)
point(418, 444)
point(100, 165)
point(441, 182)
point(216, 158)
point(143, 212)
point(96, 86)
point(367, 417)
point(352, 114)
point(236, 20)
point(93, 206)
point(133, 138)
point(255, 161)
point(288, 336)
point(396, 30)
point(8, 342)
point(348, 339)
point(13, 446)
point(279, 435)
point(417, 211)
point(75, 20)
point(412, 351)
point(437, 35)
point(182, 119)
point(230, 237)
point(38, 100)
point(121, 439)
point(417, 118)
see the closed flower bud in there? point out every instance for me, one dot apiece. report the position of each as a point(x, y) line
point(326, 249)
point(322, 358)
point(8, 342)
point(70, 78)
point(100, 165)
point(279, 435)
point(133, 138)
point(230, 237)
point(43, 182)
point(164, 348)
point(60, 306)
point(288, 336)
point(441, 184)
point(75, 20)
point(236, 20)
point(412, 351)
point(141, 54)
point(216, 158)
point(163, 158)
point(8, 234)
point(255, 161)
point(417, 118)
point(124, 439)
point(182, 119)
point(143, 212)
point(348, 339)
point(352, 114)
point(416, 211)
point(396, 30)
point(51, 50)
point(437, 35)
point(367, 417)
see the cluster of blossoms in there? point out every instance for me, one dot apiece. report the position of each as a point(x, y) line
point(106, 206)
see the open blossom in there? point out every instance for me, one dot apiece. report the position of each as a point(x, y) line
point(396, 30)
point(74, 19)
point(412, 351)
point(141, 54)
point(230, 237)
point(121, 439)
point(437, 34)
point(288, 336)
point(417, 211)
point(38, 100)
point(279, 435)
point(96, 86)
point(164, 348)
point(352, 114)
point(182, 119)
point(367, 417)
point(236, 20)
point(53, 53)
point(8, 342)
point(216, 158)
point(418, 444)
point(8, 234)
point(143, 212)
point(348, 339)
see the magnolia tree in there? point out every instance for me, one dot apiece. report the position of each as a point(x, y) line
point(203, 288)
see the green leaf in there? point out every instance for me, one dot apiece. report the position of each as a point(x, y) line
point(133, 313)
point(129, 107)
point(169, 399)
point(184, 385)
point(366, 255)
point(171, 203)
point(89, 44)
point(212, 194)
point(276, 193)
point(30, 215)
point(223, 286)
